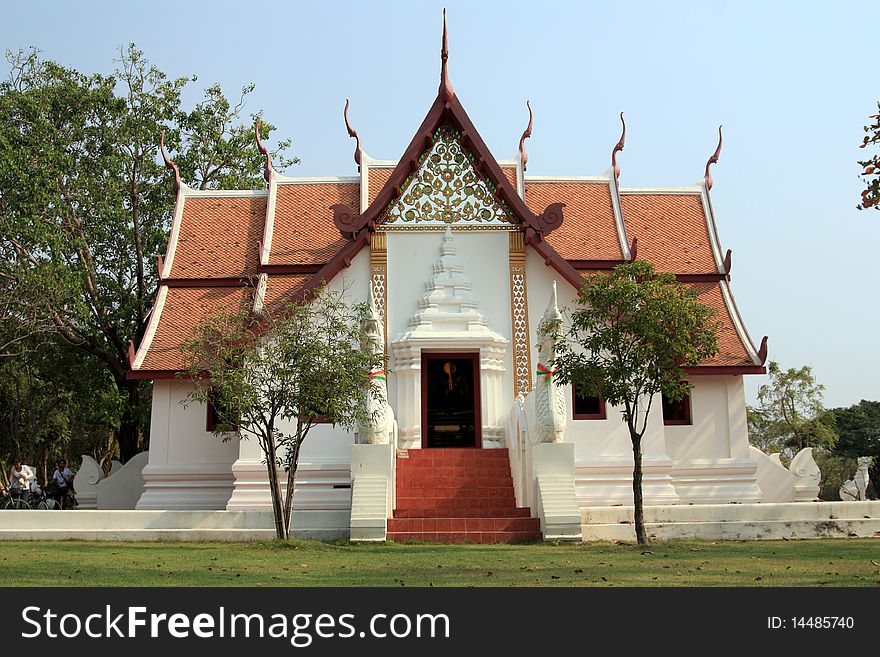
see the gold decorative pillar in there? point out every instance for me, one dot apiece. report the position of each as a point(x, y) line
point(519, 316)
point(379, 278)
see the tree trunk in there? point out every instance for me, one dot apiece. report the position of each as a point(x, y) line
point(291, 482)
point(128, 435)
point(638, 503)
point(275, 488)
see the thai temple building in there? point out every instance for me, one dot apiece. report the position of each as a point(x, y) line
point(466, 258)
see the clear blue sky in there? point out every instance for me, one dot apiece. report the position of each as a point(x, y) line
point(792, 82)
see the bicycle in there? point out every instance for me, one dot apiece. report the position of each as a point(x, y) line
point(42, 502)
point(15, 501)
point(57, 498)
point(34, 499)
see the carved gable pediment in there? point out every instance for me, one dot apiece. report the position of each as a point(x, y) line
point(447, 188)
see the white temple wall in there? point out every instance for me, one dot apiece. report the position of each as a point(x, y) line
point(189, 467)
point(711, 461)
point(484, 255)
point(709, 434)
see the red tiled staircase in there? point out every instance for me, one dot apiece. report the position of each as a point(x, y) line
point(458, 496)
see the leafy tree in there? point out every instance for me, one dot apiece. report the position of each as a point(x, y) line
point(633, 332)
point(871, 167)
point(273, 376)
point(790, 414)
point(55, 403)
point(85, 207)
point(859, 429)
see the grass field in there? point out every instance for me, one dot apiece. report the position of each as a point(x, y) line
point(837, 562)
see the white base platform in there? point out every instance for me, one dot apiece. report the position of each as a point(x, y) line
point(705, 521)
point(184, 526)
point(736, 521)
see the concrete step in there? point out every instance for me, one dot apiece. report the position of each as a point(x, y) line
point(456, 492)
point(466, 537)
point(465, 512)
point(506, 502)
point(463, 524)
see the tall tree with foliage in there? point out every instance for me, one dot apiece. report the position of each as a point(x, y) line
point(633, 331)
point(273, 376)
point(56, 402)
point(858, 427)
point(85, 206)
point(871, 166)
point(790, 414)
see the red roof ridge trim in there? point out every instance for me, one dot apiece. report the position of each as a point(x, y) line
point(268, 169)
point(527, 133)
point(169, 164)
point(724, 370)
point(707, 177)
point(358, 150)
point(618, 147)
point(446, 92)
point(222, 281)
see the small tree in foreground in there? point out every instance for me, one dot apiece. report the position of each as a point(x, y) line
point(273, 376)
point(633, 332)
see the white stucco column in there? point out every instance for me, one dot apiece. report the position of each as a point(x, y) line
point(189, 467)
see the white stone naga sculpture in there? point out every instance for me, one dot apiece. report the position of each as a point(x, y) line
point(807, 476)
point(549, 397)
point(377, 430)
point(855, 489)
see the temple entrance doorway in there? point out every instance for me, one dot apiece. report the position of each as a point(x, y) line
point(451, 400)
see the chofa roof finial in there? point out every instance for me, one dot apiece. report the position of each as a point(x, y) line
point(712, 160)
point(169, 163)
point(354, 135)
point(617, 148)
point(446, 91)
point(524, 157)
point(267, 171)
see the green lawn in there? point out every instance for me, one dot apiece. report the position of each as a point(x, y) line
point(835, 562)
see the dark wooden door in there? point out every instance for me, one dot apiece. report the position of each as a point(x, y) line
point(451, 400)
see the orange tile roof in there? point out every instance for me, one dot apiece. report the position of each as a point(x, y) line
point(731, 351)
point(510, 174)
point(588, 230)
point(218, 236)
point(303, 232)
point(182, 312)
point(671, 229)
point(376, 179)
point(279, 287)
